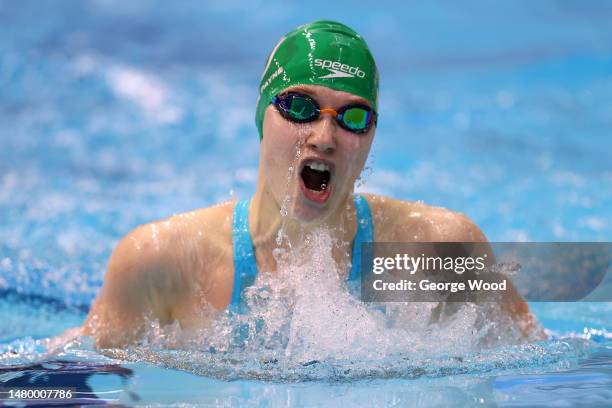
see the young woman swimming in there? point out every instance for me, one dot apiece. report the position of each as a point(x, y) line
point(316, 116)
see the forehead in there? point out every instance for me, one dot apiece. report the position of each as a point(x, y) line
point(327, 96)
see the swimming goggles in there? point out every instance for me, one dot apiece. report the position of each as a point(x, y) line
point(300, 108)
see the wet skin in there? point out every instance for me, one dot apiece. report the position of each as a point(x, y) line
point(181, 268)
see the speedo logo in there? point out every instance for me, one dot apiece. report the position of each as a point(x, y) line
point(338, 70)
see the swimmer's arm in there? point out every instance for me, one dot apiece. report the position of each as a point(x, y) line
point(135, 289)
point(410, 222)
point(465, 230)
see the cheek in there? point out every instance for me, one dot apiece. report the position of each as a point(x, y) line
point(278, 145)
point(356, 153)
point(357, 149)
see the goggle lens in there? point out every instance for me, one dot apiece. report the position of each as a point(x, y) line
point(300, 108)
point(356, 118)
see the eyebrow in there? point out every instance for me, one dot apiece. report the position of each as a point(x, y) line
point(353, 98)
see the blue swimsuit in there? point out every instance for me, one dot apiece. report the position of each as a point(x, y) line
point(245, 267)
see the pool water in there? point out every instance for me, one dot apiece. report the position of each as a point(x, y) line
point(118, 113)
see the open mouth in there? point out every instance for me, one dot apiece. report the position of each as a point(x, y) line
point(316, 176)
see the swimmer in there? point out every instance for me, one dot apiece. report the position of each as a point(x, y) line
point(316, 117)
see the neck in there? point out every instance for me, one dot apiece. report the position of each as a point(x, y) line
point(265, 221)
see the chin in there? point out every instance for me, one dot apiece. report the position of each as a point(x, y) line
point(307, 215)
point(308, 212)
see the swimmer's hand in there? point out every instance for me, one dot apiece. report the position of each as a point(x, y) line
point(57, 343)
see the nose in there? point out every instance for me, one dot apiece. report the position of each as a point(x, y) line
point(323, 134)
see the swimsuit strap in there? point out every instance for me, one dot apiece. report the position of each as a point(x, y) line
point(364, 233)
point(245, 266)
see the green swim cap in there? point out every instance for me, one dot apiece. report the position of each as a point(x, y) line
point(325, 53)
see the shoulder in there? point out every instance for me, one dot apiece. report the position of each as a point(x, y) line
point(189, 231)
point(398, 220)
point(158, 271)
point(167, 257)
point(164, 239)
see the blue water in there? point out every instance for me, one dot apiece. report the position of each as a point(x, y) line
point(117, 113)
